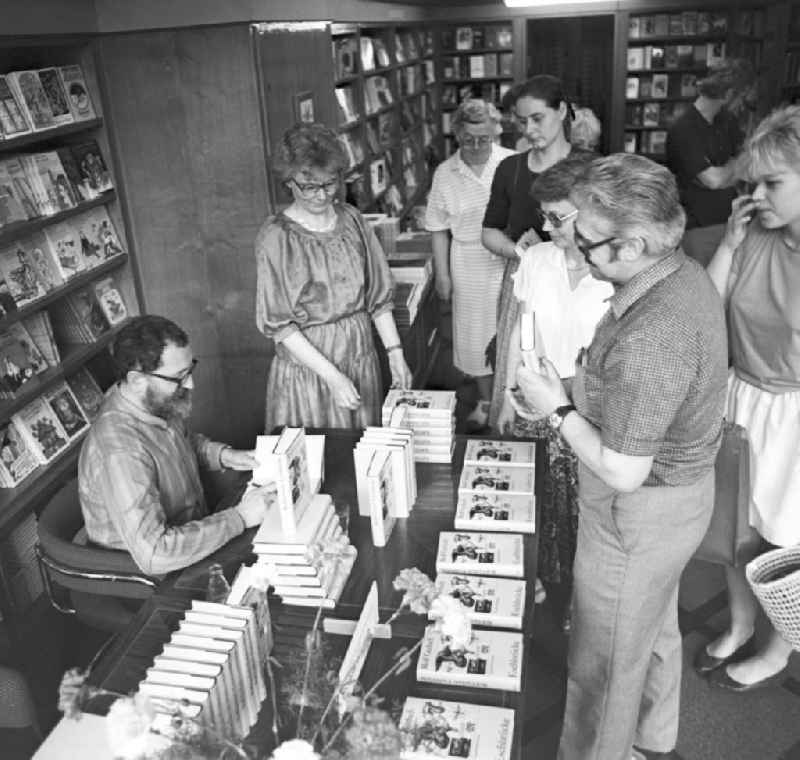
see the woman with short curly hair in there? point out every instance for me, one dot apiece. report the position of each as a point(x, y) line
point(323, 280)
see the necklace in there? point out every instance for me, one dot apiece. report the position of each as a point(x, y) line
point(313, 223)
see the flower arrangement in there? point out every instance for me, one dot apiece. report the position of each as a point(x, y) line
point(309, 691)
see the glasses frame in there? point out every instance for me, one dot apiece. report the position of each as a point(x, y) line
point(476, 141)
point(587, 246)
point(179, 381)
point(310, 189)
point(555, 220)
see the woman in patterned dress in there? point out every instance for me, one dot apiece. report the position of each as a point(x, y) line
point(465, 270)
point(323, 280)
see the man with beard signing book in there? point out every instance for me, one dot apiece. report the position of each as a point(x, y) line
point(138, 472)
point(646, 423)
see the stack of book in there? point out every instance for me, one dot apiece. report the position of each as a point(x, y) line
point(386, 481)
point(431, 728)
point(311, 566)
point(430, 416)
point(211, 670)
point(412, 278)
point(496, 487)
point(85, 314)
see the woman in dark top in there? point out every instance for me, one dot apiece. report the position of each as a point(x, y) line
point(512, 219)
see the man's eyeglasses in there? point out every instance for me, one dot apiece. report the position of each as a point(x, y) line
point(555, 220)
point(310, 189)
point(586, 246)
point(470, 141)
point(179, 381)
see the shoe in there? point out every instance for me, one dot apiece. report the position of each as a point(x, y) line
point(705, 663)
point(722, 679)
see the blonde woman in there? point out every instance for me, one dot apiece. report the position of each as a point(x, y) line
point(466, 272)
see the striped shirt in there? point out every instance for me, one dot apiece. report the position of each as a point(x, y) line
point(654, 378)
point(140, 489)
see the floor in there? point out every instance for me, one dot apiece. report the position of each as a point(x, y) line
point(715, 725)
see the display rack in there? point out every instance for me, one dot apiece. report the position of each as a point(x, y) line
point(667, 53)
point(475, 61)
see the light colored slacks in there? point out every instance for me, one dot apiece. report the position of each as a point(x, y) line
point(624, 662)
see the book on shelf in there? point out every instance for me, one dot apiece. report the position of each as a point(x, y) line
point(11, 209)
point(110, 301)
point(633, 115)
point(489, 479)
point(380, 487)
point(476, 553)
point(43, 261)
point(660, 85)
point(492, 660)
point(42, 430)
point(53, 87)
point(19, 274)
point(513, 513)
point(378, 175)
point(505, 64)
point(78, 96)
point(504, 36)
point(688, 85)
point(490, 602)
point(715, 53)
point(78, 318)
point(632, 88)
point(22, 186)
point(675, 24)
point(367, 53)
point(689, 22)
point(13, 119)
point(94, 174)
point(636, 58)
point(41, 331)
point(478, 37)
point(651, 114)
point(646, 87)
point(97, 235)
point(34, 358)
point(634, 27)
point(685, 56)
point(377, 93)
point(507, 453)
point(434, 728)
point(66, 407)
point(87, 392)
point(382, 56)
point(400, 52)
point(656, 57)
point(658, 142)
point(464, 38)
point(28, 89)
point(671, 57)
point(345, 56)
point(346, 104)
point(630, 142)
point(476, 67)
point(62, 248)
point(661, 24)
point(17, 458)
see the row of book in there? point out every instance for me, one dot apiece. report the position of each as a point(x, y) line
point(411, 282)
point(211, 671)
point(654, 114)
point(33, 185)
point(472, 37)
point(32, 266)
point(430, 414)
point(661, 86)
point(491, 92)
point(39, 99)
point(653, 142)
point(41, 430)
point(486, 65)
point(688, 23)
point(644, 57)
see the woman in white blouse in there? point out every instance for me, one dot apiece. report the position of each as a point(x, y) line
point(560, 306)
point(466, 272)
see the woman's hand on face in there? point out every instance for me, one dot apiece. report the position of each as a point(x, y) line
point(742, 210)
point(401, 374)
point(344, 392)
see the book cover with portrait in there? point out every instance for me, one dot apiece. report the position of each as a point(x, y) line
point(17, 459)
point(475, 553)
point(78, 96)
point(509, 513)
point(490, 602)
point(66, 407)
point(507, 453)
point(43, 432)
point(496, 479)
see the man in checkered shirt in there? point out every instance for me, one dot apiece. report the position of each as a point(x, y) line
point(646, 424)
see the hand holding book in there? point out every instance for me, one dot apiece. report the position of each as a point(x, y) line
point(237, 459)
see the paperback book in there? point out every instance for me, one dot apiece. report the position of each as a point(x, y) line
point(40, 427)
point(481, 554)
point(94, 175)
point(66, 407)
point(80, 101)
point(491, 602)
point(53, 87)
point(110, 301)
point(505, 480)
point(87, 392)
point(506, 453)
point(17, 459)
point(509, 513)
point(434, 728)
point(19, 275)
point(31, 95)
point(493, 660)
point(381, 496)
point(12, 116)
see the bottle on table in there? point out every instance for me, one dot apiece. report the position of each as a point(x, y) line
point(218, 587)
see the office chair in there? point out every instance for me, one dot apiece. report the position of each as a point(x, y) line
point(101, 585)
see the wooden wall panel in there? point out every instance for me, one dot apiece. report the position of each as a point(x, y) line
point(183, 107)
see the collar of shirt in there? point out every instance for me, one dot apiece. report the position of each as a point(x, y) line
point(638, 285)
point(122, 402)
point(491, 164)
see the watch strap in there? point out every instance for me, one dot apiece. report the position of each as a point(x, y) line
point(561, 412)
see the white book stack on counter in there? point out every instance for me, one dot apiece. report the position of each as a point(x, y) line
point(211, 669)
point(430, 414)
point(309, 566)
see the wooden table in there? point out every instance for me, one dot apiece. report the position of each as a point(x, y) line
point(412, 544)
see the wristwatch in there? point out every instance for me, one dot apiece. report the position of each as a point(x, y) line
point(556, 418)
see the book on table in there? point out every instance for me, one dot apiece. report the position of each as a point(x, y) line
point(380, 488)
point(435, 728)
point(509, 513)
point(496, 479)
point(316, 524)
point(481, 451)
point(491, 602)
point(492, 660)
point(481, 554)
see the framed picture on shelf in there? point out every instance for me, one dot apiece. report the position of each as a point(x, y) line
point(304, 107)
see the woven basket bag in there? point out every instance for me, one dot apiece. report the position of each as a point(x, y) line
point(775, 580)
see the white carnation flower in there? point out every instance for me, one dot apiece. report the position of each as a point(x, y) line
point(295, 749)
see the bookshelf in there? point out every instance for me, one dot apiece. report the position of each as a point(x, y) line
point(476, 61)
point(790, 81)
point(667, 52)
point(20, 503)
point(385, 87)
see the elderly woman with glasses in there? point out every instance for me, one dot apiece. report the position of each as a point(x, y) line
point(322, 281)
point(465, 270)
point(560, 305)
point(511, 222)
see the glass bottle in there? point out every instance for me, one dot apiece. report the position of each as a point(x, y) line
point(218, 587)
